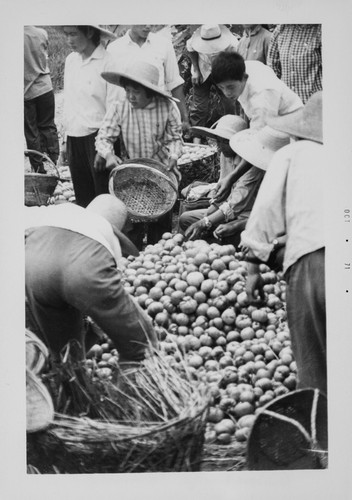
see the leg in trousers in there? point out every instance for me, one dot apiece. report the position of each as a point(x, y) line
point(46, 125)
point(306, 316)
point(32, 135)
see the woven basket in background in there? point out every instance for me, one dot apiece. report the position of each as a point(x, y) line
point(38, 188)
point(205, 169)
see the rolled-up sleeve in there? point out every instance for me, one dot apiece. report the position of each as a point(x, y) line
point(243, 194)
point(267, 219)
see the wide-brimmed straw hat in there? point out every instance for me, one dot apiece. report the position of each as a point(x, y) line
point(104, 32)
point(40, 408)
point(138, 71)
point(224, 128)
point(306, 122)
point(211, 38)
point(258, 146)
point(115, 212)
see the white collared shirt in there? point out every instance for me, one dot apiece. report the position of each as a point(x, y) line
point(77, 219)
point(87, 95)
point(290, 202)
point(264, 95)
point(157, 49)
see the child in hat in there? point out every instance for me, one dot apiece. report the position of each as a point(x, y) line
point(209, 222)
point(149, 124)
point(206, 43)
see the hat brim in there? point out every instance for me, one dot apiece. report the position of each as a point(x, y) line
point(250, 150)
point(214, 45)
point(296, 124)
point(104, 32)
point(127, 247)
point(210, 132)
point(114, 77)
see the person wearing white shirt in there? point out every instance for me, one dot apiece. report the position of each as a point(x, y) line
point(261, 95)
point(72, 270)
point(87, 97)
point(290, 207)
point(140, 42)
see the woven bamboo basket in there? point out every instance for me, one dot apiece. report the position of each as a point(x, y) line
point(151, 419)
point(205, 169)
point(146, 187)
point(290, 433)
point(38, 188)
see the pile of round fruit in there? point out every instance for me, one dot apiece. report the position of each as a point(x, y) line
point(64, 191)
point(195, 293)
point(195, 152)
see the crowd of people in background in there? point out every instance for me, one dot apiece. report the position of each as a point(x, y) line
point(124, 99)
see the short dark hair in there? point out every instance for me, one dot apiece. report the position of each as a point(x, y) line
point(126, 81)
point(228, 66)
point(96, 33)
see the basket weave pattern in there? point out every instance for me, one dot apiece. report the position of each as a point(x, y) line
point(38, 188)
point(150, 419)
point(147, 189)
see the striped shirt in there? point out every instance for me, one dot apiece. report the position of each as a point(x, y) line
point(151, 132)
point(295, 56)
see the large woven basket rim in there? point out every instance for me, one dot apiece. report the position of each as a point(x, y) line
point(147, 429)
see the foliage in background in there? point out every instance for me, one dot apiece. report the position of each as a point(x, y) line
point(58, 51)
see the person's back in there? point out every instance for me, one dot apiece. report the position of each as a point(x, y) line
point(39, 102)
point(37, 79)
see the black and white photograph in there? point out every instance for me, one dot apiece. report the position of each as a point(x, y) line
point(180, 213)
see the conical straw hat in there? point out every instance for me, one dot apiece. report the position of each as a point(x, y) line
point(40, 409)
point(258, 146)
point(36, 352)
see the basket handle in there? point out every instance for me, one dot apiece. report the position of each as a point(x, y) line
point(44, 156)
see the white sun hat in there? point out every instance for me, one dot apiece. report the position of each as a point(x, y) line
point(211, 38)
point(224, 128)
point(259, 146)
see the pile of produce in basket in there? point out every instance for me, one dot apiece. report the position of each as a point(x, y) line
point(195, 294)
point(194, 152)
point(198, 162)
point(146, 419)
point(64, 191)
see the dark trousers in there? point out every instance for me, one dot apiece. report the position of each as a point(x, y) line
point(40, 129)
point(199, 109)
point(69, 276)
point(154, 230)
point(306, 316)
point(87, 183)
